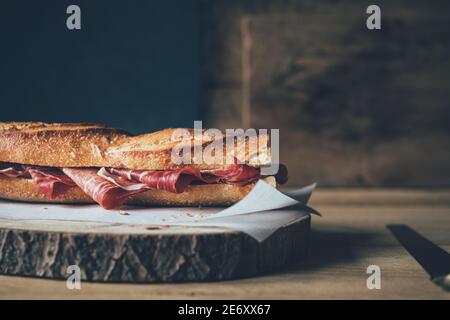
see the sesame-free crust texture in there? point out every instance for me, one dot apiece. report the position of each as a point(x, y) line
point(94, 145)
point(57, 144)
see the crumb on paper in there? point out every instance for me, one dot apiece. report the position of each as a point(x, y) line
point(45, 208)
point(154, 227)
point(123, 213)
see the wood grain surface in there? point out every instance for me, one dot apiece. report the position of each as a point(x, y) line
point(350, 236)
point(139, 253)
point(356, 107)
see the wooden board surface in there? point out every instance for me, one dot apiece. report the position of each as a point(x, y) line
point(350, 236)
point(107, 252)
point(356, 106)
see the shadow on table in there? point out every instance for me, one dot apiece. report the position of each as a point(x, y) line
point(329, 247)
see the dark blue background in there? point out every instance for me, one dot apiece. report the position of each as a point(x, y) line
point(134, 64)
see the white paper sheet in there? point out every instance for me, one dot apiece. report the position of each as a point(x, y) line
point(258, 214)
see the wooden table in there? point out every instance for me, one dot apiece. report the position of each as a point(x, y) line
point(349, 237)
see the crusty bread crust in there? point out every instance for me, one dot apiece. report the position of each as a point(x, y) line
point(57, 145)
point(154, 151)
point(196, 195)
point(92, 145)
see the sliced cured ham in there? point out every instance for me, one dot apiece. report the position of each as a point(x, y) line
point(236, 173)
point(11, 172)
point(175, 181)
point(110, 187)
point(240, 174)
point(121, 182)
point(51, 182)
point(105, 193)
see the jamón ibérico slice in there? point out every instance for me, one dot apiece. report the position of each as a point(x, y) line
point(12, 172)
point(110, 187)
point(240, 174)
point(119, 181)
point(235, 173)
point(175, 181)
point(50, 182)
point(105, 193)
point(178, 180)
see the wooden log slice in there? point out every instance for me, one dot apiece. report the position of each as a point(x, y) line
point(137, 253)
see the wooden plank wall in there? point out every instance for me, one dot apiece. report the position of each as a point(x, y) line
point(355, 107)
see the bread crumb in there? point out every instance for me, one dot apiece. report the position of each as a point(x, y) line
point(153, 227)
point(123, 213)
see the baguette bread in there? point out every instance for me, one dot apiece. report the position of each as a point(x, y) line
point(58, 162)
point(195, 195)
point(93, 145)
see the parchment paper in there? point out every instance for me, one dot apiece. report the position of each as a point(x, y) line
point(259, 214)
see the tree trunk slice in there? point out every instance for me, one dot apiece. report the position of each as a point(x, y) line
point(138, 253)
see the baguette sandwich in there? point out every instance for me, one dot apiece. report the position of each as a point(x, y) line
point(88, 163)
